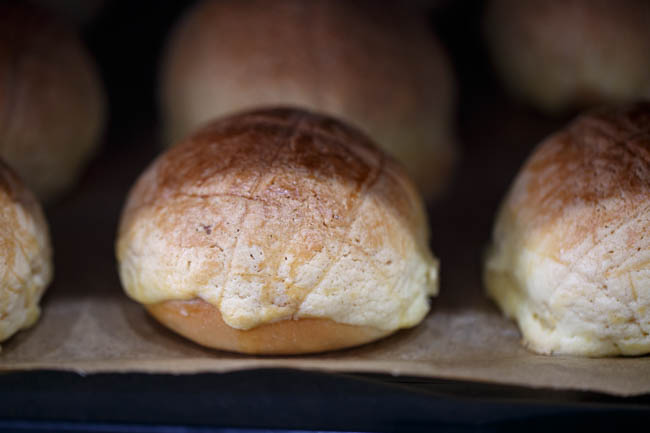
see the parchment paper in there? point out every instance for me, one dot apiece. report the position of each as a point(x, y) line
point(88, 325)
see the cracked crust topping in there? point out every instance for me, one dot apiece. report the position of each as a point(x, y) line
point(601, 162)
point(570, 258)
point(279, 214)
point(25, 255)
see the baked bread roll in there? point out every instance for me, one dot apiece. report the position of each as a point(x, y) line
point(25, 255)
point(565, 54)
point(570, 257)
point(51, 101)
point(277, 232)
point(376, 66)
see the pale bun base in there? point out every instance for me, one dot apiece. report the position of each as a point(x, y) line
point(201, 322)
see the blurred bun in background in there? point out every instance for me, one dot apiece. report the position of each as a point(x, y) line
point(561, 55)
point(373, 64)
point(52, 107)
point(80, 12)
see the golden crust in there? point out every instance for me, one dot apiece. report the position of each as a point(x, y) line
point(25, 255)
point(334, 57)
point(51, 101)
point(279, 214)
point(202, 322)
point(571, 245)
point(600, 163)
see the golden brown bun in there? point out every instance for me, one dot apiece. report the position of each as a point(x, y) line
point(280, 215)
point(51, 101)
point(376, 66)
point(566, 54)
point(201, 322)
point(570, 258)
point(25, 255)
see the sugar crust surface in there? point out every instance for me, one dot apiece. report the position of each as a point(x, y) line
point(570, 258)
point(25, 256)
point(304, 220)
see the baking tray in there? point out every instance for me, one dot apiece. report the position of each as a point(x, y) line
point(290, 399)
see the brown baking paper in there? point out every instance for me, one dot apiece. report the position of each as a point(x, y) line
point(88, 325)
